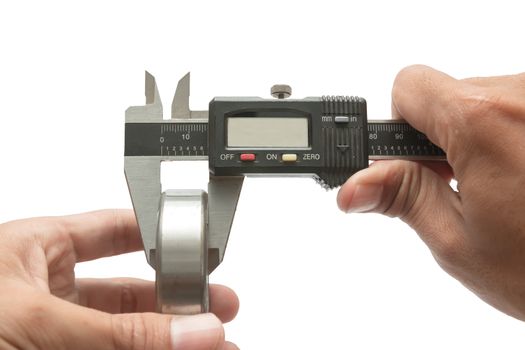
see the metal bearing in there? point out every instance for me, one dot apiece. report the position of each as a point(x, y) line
point(182, 253)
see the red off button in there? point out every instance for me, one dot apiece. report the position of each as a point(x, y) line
point(247, 157)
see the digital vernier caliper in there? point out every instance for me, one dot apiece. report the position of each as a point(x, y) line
point(185, 232)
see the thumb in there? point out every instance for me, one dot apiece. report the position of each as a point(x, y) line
point(414, 193)
point(154, 331)
point(90, 329)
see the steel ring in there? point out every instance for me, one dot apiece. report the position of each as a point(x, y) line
point(182, 253)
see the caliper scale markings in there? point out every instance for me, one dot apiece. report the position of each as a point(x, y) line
point(184, 139)
point(395, 139)
point(167, 139)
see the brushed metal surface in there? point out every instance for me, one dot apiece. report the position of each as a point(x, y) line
point(181, 255)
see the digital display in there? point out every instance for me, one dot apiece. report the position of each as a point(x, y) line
point(267, 132)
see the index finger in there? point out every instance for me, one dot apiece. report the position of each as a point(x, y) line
point(425, 97)
point(103, 233)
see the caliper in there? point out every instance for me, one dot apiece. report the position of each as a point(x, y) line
point(185, 232)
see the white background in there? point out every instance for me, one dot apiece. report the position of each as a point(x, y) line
point(309, 276)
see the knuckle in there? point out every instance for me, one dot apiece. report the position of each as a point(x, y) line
point(128, 297)
point(121, 228)
point(139, 331)
point(405, 76)
point(477, 103)
point(128, 332)
point(411, 73)
point(115, 222)
point(58, 227)
point(34, 311)
point(31, 323)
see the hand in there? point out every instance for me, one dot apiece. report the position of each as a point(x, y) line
point(44, 307)
point(477, 234)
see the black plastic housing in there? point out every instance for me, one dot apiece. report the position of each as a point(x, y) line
point(337, 132)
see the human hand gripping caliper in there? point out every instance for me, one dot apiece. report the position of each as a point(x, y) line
point(185, 232)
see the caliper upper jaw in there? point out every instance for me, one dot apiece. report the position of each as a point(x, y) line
point(180, 106)
point(143, 174)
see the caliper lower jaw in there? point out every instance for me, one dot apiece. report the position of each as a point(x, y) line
point(143, 175)
point(223, 195)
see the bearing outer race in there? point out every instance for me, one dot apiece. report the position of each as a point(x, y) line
point(182, 253)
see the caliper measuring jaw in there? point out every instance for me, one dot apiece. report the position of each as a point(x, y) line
point(184, 232)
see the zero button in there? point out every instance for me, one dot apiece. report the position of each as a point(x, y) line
point(289, 157)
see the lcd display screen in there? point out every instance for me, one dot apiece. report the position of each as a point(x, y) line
point(267, 132)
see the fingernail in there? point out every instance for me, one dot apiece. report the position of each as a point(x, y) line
point(196, 332)
point(230, 346)
point(366, 197)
